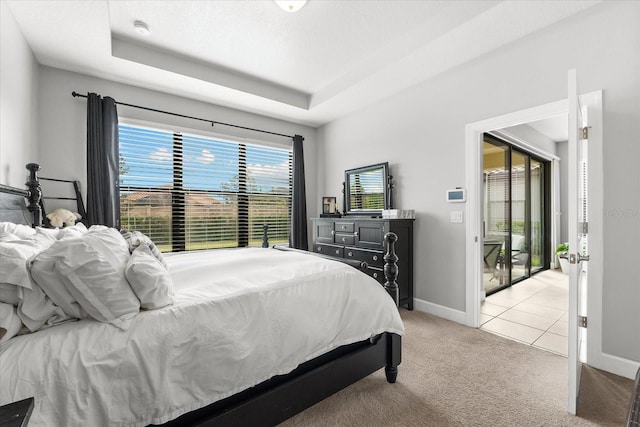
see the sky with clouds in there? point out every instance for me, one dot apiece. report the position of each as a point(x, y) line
point(207, 163)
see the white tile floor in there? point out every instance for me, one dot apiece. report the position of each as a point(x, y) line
point(533, 312)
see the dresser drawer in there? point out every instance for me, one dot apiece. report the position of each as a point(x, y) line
point(330, 250)
point(376, 273)
point(345, 239)
point(372, 258)
point(344, 227)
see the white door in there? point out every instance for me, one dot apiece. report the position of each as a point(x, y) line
point(577, 167)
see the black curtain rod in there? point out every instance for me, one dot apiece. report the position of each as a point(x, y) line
point(213, 122)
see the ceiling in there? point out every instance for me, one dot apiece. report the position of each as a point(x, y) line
point(323, 62)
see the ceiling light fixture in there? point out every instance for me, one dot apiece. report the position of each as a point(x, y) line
point(290, 5)
point(141, 28)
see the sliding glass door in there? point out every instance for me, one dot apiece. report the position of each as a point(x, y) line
point(497, 215)
point(519, 212)
point(515, 214)
point(539, 217)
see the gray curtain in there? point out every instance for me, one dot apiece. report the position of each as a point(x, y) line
point(298, 238)
point(103, 155)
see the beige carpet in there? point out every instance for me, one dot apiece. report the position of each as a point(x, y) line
point(452, 375)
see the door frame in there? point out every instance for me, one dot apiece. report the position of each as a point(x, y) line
point(473, 164)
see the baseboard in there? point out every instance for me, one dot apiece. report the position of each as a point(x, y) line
point(440, 311)
point(616, 365)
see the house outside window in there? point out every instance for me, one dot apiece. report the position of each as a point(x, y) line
point(190, 192)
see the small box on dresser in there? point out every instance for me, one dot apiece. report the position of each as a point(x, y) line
point(362, 238)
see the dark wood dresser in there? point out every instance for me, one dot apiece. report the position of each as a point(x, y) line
point(362, 238)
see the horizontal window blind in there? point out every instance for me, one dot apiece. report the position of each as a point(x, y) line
point(190, 192)
point(367, 191)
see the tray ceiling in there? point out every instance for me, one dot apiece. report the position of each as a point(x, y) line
point(325, 61)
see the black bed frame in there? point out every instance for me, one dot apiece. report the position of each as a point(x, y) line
point(282, 396)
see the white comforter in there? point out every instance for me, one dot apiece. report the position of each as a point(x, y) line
point(240, 317)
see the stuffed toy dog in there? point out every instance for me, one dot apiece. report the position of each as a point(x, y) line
point(62, 217)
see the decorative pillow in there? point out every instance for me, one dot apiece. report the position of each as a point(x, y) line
point(149, 279)
point(14, 255)
point(10, 323)
point(9, 293)
point(91, 270)
point(20, 230)
point(136, 238)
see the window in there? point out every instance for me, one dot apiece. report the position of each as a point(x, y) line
point(189, 192)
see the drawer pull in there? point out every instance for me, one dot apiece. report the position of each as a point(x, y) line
point(355, 233)
point(375, 275)
point(350, 253)
point(344, 227)
point(375, 257)
point(319, 249)
point(333, 233)
point(337, 251)
point(344, 239)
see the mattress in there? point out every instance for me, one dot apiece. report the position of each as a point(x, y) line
point(240, 317)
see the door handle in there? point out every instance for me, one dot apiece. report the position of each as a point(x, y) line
point(575, 258)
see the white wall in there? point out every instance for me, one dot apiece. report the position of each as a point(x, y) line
point(18, 102)
point(62, 124)
point(421, 132)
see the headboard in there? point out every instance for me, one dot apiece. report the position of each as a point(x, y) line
point(22, 206)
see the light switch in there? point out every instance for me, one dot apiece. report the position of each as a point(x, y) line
point(456, 217)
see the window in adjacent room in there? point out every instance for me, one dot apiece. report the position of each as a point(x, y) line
point(190, 192)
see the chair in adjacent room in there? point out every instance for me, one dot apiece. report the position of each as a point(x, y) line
point(492, 258)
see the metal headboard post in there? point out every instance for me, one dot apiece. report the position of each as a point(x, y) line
point(35, 194)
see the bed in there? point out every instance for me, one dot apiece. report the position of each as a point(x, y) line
point(250, 336)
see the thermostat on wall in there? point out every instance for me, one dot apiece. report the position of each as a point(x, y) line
point(457, 195)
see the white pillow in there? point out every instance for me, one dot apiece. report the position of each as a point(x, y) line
point(98, 227)
point(5, 236)
point(9, 293)
point(53, 232)
point(72, 232)
point(20, 230)
point(91, 270)
point(44, 274)
point(10, 323)
point(149, 279)
point(14, 255)
point(37, 311)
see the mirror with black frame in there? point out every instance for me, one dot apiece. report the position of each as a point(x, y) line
point(367, 190)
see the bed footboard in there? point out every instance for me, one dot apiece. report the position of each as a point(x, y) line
point(282, 397)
